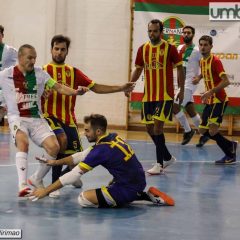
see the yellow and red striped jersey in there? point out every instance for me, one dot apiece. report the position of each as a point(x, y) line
point(212, 70)
point(62, 106)
point(158, 62)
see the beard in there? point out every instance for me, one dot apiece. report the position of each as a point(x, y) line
point(59, 60)
point(187, 39)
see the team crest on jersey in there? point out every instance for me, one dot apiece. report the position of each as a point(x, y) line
point(68, 73)
point(172, 31)
point(59, 75)
point(25, 85)
point(149, 117)
point(75, 145)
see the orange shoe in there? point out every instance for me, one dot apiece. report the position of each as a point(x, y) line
point(160, 198)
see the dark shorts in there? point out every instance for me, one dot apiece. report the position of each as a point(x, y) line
point(73, 139)
point(161, 111)
point(213, 114)
point(117, 195)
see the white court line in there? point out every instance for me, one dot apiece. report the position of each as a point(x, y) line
point(152, 160)
point(135, 142)
point(11, 165)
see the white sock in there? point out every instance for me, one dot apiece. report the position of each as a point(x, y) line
point(181, 117)
point(196, 120)
point(21, 164)
point(43, 169)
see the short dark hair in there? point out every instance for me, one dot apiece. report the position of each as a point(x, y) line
point(192, 28)
point(206, 38)
point(157, 21)
point(59, 39)
point(97, 121)
point(1, 29)
point(24, 46)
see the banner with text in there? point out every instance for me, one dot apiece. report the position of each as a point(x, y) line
point(226, 37)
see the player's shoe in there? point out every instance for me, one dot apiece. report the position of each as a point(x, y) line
point(35, 183)
point(202, 140)
point(24, 191)
point(170, 162)
point(226, 160)
point(55, 194)
point(156, 169)
point(187, 136)
point(160, 198)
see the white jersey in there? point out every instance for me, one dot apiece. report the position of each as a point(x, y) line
point(9, 57)
point(191, 65)
point(23, 96)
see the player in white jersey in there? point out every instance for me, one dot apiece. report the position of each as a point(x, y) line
point(8, 57)
point(22, 87)
point(191, 58)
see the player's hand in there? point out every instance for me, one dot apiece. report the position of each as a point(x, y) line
point(81, 90)
point(195, 80)
point(179, 97)
point(205, 96)
point(128, 87)
point(46, 161)
point(127, 94)
point(37, 194)
point(47, 93)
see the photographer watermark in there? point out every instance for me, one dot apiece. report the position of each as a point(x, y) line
point(224, 11)
point(10, 233)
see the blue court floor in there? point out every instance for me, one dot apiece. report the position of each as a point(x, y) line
point(207, 201)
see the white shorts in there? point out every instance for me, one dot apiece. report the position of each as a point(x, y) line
point(188, 97)
point(36, 128)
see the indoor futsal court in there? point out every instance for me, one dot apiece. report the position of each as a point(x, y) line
point(207, 200)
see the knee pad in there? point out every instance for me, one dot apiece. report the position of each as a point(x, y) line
point(84, 202)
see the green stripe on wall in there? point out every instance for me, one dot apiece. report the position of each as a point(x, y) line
point(152, 7)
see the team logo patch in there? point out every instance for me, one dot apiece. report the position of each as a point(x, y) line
point(172, 31)
point(68, 73)
point(75, 145)
point(149, 117)
point(25, 85)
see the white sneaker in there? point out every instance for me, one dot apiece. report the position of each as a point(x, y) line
point(170, 162)
point(156, 169)
point(35, 183)
point(55, 194)
point(78, 183)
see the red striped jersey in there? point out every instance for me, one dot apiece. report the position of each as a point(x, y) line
point(62, 106)
point(212, 70)
point(158, 62)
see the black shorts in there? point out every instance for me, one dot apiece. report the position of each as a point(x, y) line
point(213, 114)
point(73, 140)
point(161, 110)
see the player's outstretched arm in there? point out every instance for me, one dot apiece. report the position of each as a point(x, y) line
point(62, 89)
point(64, 161)
point(70, 160)
point(101, 89)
